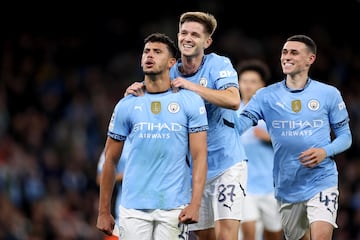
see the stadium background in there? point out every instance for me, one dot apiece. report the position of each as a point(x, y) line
point(63, 68)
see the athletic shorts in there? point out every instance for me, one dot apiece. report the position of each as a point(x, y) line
point(223, 197)
point(297, 217)
point(151, 224)
point(262, 208)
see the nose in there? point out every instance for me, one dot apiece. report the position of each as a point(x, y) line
point(187, 37)
point(149, 54)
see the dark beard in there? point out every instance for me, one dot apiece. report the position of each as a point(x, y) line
point(151, 74)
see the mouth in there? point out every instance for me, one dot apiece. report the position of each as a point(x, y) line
point(149, 63)
point(187, 46)
point(287, 64)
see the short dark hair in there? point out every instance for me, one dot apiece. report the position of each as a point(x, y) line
point(256, 65)
point(310, 44)
point(163, 38)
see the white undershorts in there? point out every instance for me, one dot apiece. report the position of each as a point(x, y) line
point(297, 217)
point(151, 224)
point(262, 208)
point(223, 197)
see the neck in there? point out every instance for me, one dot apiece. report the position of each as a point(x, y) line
point(157, 85)
point(296, 82)
point(190, 65)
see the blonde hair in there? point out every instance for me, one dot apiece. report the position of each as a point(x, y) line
point(206, 19)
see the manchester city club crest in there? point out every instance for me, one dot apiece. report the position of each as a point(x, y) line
point(203, 82)
point(173, 107)
point(313, 105)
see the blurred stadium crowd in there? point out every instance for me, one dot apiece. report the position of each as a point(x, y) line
point(60, 79)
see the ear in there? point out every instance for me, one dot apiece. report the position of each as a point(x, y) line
point(208, 42)
point(171, 62)
point(312, 58)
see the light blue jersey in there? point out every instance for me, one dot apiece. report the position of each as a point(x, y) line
point(260, 161)
point(298, 120)
point(157, 128)
point(224, 146)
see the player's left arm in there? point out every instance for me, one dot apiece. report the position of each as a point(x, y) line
point(342, 141)
point(339, 123)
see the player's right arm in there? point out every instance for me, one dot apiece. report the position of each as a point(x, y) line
point(113, 149)
point(198, 149)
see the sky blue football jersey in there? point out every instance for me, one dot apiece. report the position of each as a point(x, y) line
point(157, 128)
point(296, 121)
point(224, 145)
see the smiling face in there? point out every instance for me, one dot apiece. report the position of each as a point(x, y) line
point(193, 39)
point(296, 58)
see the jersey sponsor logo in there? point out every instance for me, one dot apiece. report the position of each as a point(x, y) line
point(157, 127)
point(286, 124)
point(297, 128)
point(155, 107)
point(313, 105)
point(173, 107)
point(155, 135)
point(202, 110)
point(156, 130)
point(301, 133)
point(296, 105)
